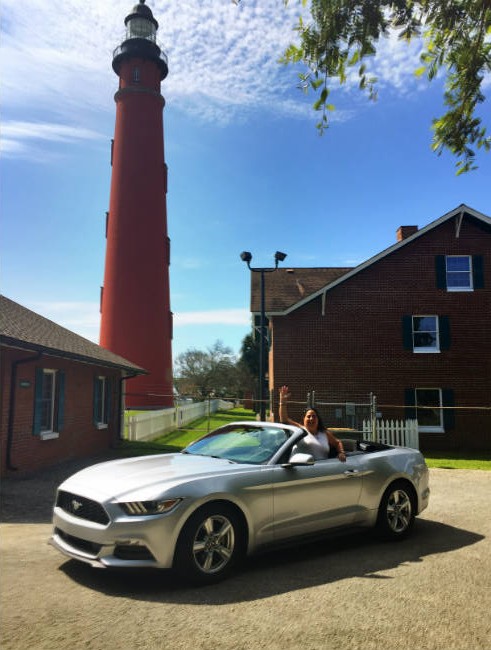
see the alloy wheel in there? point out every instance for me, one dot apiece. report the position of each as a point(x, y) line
point(213, 544)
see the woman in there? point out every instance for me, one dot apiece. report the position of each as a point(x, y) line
point(319, 439)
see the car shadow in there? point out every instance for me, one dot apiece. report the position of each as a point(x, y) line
point(359, 555)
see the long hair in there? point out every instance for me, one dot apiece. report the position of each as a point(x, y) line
point(320, 424)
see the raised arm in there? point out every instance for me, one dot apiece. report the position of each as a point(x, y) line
point(284, 418)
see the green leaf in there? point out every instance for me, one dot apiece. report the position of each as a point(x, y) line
point(355, 58)
point(333, 35)
point(316, 83)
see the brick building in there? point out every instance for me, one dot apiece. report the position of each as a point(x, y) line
point(412, 325)
point(61, 395)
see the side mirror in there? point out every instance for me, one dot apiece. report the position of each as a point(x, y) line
point(299, 460)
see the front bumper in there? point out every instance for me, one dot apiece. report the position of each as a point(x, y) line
point(124, 542)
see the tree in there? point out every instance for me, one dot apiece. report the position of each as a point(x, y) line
point(216, 371)
point(343, 34)
point(211, 372)
point(248, 367)
point(249, 356)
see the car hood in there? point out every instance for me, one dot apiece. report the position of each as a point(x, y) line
point(145, 477)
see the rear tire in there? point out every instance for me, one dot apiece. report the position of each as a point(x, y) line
point(396, 511)
point(210, 544)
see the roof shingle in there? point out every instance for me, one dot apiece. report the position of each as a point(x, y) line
point(23, 328)
point(286, 286)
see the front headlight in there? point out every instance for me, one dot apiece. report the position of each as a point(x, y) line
point(139, 508)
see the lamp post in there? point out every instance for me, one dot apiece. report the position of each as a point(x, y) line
point(246, 257)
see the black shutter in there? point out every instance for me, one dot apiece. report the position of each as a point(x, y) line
point(478, 272)
point(444, 331)
point(441, 272)
point(407, 332)
point(448, 401)
point(410, 403)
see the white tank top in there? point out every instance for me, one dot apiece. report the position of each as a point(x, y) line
point(317, 445)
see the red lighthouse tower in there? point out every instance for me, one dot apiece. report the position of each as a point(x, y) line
point(136, 321)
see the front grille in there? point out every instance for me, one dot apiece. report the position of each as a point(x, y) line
point(130, 552)
point(81, 507)
point(79, 544)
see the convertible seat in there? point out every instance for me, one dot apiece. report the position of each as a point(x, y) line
point(348, 444)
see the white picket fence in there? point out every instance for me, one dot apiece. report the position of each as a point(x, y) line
point(401, 433)
point(152, 424)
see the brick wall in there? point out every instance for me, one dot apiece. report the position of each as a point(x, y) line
point(357, 346)
point(78, 437)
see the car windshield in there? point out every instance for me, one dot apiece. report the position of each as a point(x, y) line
point(241, 443)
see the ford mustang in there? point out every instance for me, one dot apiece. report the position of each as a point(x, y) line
point(242, 488)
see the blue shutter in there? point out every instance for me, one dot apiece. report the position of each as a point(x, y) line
point(109, 396)
point(60, 416)
point(96, 401)
point(441, 272)
point(410, 403)
point(477, 272)
point(448, 400)
point(407, 332)
point(38, 395)
point(444, 331)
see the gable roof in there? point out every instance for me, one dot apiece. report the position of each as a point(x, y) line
point(278, 305)
point(286, 286)
point(22, 328)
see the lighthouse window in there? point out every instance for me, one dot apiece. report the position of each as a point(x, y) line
point(136, 75)
point(140, 28)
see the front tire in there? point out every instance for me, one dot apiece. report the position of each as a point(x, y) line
point(210, 544)
point(396, 511)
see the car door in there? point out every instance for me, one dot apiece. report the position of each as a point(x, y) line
point(311, 498)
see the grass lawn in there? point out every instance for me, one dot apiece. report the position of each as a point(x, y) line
point(449, 460)
point(177, 440)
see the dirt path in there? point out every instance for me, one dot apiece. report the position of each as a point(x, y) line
point(430, 592)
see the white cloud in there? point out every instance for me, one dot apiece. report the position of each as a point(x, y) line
point(223, 61)
point(396, 62)
point(17, 136)
point(83, 318)
point(46, 131)
point(80, 317)
point(486, 82)
point(213, 317)
point(10, 147)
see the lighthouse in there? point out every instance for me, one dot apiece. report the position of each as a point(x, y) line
point(136, 320)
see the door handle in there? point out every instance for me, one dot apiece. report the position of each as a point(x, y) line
point(351, 472)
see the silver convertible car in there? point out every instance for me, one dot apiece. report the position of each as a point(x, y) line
point(242, 488)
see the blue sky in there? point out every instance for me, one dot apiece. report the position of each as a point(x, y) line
point(247, 169)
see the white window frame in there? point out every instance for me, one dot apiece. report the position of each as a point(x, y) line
point(438, 428)
point(102, 384)
point(428, 348)
point(470, 286)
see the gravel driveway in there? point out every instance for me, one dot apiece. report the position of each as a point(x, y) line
point(429, 592)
